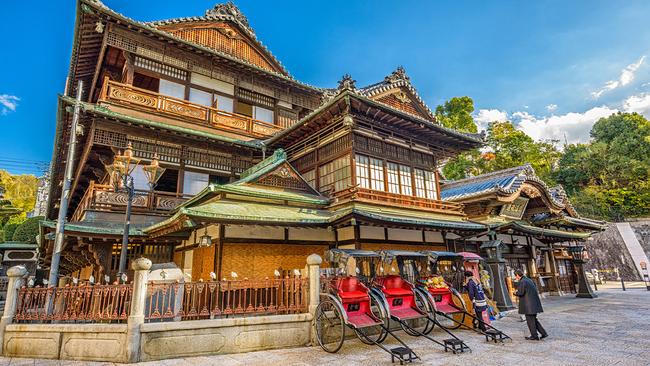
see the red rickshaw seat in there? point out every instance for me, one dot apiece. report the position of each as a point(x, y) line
point(396, 286)
point(397, 292)
point(353, 295)
point(350, 289)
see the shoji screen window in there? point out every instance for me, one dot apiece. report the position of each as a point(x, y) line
point(362, 164)
point(377, 174)
point(335, 175)
point(171, 89)
point(425, 184)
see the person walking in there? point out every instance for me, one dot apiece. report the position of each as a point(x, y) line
point(477, 295)
point(530, 305)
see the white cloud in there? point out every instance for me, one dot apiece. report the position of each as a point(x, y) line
point(551, 108)
point(639, 104)
point(574, 127)
point(8, 103)
point(626, 77)
point(485, 116)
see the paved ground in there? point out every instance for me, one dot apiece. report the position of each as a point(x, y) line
point(610, 330)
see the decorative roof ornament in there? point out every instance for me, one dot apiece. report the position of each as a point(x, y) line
point(347, 83)
point(229, 9)
point(398, 75)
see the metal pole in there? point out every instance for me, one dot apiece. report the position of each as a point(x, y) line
point(595, 285)
point(128, 184)
point(65, 193)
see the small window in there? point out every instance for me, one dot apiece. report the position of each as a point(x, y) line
point(200, 97)
point(140, 180)
point(425, 184)
point(263, 114)
point(362, 165)
point(244, 109)
point(194, 182)
point(171, 89)
point(377, 174)
point(310, 177)
point(224, 103)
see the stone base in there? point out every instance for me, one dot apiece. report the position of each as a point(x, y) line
point(587, 296)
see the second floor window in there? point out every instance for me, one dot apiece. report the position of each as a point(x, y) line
point(399, 179)
point(171, 89)
point(425, 184)
point(377, 174)
point(335, 176)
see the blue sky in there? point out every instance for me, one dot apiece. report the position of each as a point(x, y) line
point(553, 67)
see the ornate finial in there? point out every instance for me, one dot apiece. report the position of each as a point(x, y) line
point(229, 9)
point(347, 83)
point(398, 75)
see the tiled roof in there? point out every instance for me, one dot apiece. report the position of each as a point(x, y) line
point(505, 181)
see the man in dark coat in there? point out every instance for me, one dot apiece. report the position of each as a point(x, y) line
point(530, 305)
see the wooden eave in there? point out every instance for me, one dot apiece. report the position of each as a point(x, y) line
point(87, 47)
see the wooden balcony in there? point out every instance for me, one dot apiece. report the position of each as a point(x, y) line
point(399, 200)
point(133, 97)
point(102, 197)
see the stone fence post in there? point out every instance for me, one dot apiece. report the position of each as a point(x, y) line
point(141, 268)
point(16, 281)
point(313, 264)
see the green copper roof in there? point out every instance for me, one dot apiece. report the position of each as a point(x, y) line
point(17, 245)
point(257, 212)
point(95, 228)
point(105, 112)
point(272, 193)
point(534, 230)
point(407, 216)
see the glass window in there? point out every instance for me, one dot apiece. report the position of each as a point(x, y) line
point(263, 114)
point(362, 165)
point(200, 97)
point(392, 171)
point(377, 174)
point(224, 103)
point(310, 177)
point(425, 184)
point(335, 175)
point(194, 182)
point(171, 89)
point(405, 180)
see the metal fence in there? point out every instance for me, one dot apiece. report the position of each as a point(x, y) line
point(74, 304)
point(218, 299)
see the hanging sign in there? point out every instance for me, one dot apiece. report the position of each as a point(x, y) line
point(514, 209)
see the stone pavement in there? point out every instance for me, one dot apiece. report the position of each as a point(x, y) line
point(610, 330)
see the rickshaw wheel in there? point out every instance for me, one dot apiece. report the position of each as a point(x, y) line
point(330, 327)
point(374, 334)
point(425, 322)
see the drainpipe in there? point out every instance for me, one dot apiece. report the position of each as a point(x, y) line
point(66, 192)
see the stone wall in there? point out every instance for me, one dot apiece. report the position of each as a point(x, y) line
point(220, 336)
point(605, 252)
point(80, 342)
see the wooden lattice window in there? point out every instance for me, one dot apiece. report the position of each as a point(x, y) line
point(160, 68)
point(255, 98)
point(287, 118)
point(335, 175)
point(333, 148)
point(305, 161)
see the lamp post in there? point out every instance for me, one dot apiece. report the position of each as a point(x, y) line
point(121, 176)
point(619, 273)
point(497, 266)
point(579, 255)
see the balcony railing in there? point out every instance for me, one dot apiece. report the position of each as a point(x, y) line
point(128, 95)
point(102, 197)
point(369, 195)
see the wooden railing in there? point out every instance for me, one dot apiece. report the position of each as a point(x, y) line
point(217, 299)
point(124, 94)
point(369, 195)
point(102, 197)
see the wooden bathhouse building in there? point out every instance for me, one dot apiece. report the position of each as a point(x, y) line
point(262, 170)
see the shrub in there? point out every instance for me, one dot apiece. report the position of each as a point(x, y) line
point(11, 226)
point(28, 230)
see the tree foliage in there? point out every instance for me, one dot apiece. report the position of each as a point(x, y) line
point(610, 176)
point(20, 190)
point(28, 230)
point(11, 226)
point(456, 113)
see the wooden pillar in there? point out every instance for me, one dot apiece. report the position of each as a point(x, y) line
point(128, 69)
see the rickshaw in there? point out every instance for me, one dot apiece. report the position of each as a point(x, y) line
point(446, 275)
point(347, 301)
point(407, 303)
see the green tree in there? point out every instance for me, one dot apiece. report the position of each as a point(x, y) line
point(610, 176)
point(28, 230)
point(20, 190)
point(11, 226)
point(456, 113)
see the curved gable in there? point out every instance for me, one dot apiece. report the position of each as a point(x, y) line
point(227, 38)
point(402, 99)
